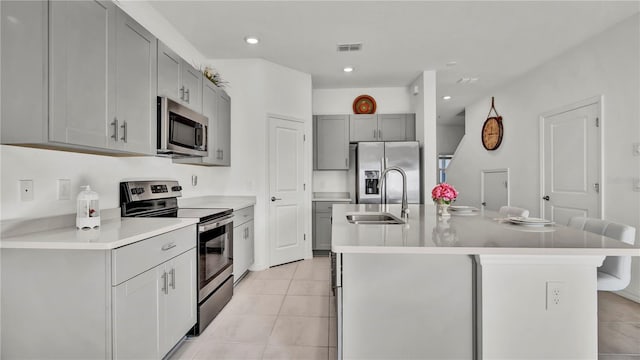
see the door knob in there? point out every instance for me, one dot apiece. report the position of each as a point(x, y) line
point(484, 203)
point(273, 198)
point(546, 198)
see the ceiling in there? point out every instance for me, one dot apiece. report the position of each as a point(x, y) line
point(493, 41)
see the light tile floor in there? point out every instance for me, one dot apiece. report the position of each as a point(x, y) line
point(280, 313)
point(287, 312)
point(618, 327)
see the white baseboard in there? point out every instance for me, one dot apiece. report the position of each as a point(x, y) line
point(629, 295)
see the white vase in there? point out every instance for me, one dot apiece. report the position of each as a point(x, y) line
point(443, 210)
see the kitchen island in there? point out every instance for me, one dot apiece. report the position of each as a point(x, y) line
point(465, 287)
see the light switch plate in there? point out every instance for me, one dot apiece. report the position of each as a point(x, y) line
point(636, 184)
point(26, 190)
point(636, 149)
point(64, 189)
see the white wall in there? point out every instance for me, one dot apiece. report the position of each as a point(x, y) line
point(392, 100)
point(449, 137)
point(607, 65)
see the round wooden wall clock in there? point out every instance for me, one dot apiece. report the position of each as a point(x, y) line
point(364, 104)
point(492, 130)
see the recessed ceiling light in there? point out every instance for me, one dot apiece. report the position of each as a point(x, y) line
point(452, 63)
point(446, 97)
point(348, 69)
point(251, 40)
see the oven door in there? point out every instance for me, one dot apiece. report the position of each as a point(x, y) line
point(215, 254)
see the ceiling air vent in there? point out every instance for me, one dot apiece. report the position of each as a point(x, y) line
point(349, 47)
point(467, 80)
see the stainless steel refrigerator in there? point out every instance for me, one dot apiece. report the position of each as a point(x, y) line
point(373, 157)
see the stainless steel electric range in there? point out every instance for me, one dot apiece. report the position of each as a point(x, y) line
point(214, 243)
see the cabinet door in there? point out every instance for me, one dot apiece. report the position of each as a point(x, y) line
point(250, 244)
point(210, 110)
point(169, 65)
point(239, 251)
point(81, 71)
point(24, 71)
point(135, 87)
point(331, 142)
point(392, 127)
point(136, 316)
point(179, 302)
point(363, 128)
point(322, 234)
point(192, 82)
point(224, 127)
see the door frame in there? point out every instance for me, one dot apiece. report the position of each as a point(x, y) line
point(491, 171)
point(306, 179)
point(597, 100)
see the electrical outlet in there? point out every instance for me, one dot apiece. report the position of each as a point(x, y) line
point(26, 190)
point(64, 189)
point(555, 295)
point(636, 149)
point(194, 180)
point(636, 184)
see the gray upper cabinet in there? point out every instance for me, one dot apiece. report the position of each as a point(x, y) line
point(169, 73)
point(24, 71)
point(382, 127)
point(135, 120)
point(363, 128)
point(87, 72)
point(224, 127)
point(82, 72)
point(192, 86)
point(331, 142)
point(178, 80)
point(216, 106)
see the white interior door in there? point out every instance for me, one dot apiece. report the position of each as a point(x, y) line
point(571, 158)
point(495, 189)
point(286, 193)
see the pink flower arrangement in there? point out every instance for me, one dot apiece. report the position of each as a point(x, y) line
point(444, 193)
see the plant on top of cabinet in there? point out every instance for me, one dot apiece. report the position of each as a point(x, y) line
point(80, 76)
point(214, 77)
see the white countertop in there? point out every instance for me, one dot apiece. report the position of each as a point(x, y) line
point(113, 233)
point(332, 196)
point(217, 201)
point(475, 234)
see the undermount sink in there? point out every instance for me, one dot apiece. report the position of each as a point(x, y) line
point(373, 218)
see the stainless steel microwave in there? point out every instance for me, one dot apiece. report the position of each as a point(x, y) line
point(181, 131)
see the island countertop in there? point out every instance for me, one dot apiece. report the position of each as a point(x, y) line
point(477, 233)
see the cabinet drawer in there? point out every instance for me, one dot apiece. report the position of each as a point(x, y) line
point(242, 216)
point(131, 260)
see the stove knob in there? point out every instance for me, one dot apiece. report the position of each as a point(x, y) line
point(140, 190)
point(134, 191)
point(176, 188)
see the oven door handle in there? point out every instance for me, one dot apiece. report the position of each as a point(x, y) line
point(204, 227)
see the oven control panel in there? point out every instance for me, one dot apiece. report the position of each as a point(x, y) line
point(147, 190)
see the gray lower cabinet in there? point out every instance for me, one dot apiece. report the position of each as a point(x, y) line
point(322, 224)
point(133, 302)
point(178, 80)
point(243, 242)
point(382, 127)
point(216, 106)
point(331, 142)
point(88, 78)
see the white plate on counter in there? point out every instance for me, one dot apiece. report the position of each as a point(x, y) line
point(462, 209)
point(528, 221)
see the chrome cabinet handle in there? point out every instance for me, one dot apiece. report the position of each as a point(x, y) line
point(124, 131)
point(273, 198)
point(379, 134)
point(182, 93)
point(188, 97)
point(173, 278)
point(346, 162)
point(168, 246)
point(374, 134)
point(165, 283)
point(115, 129)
